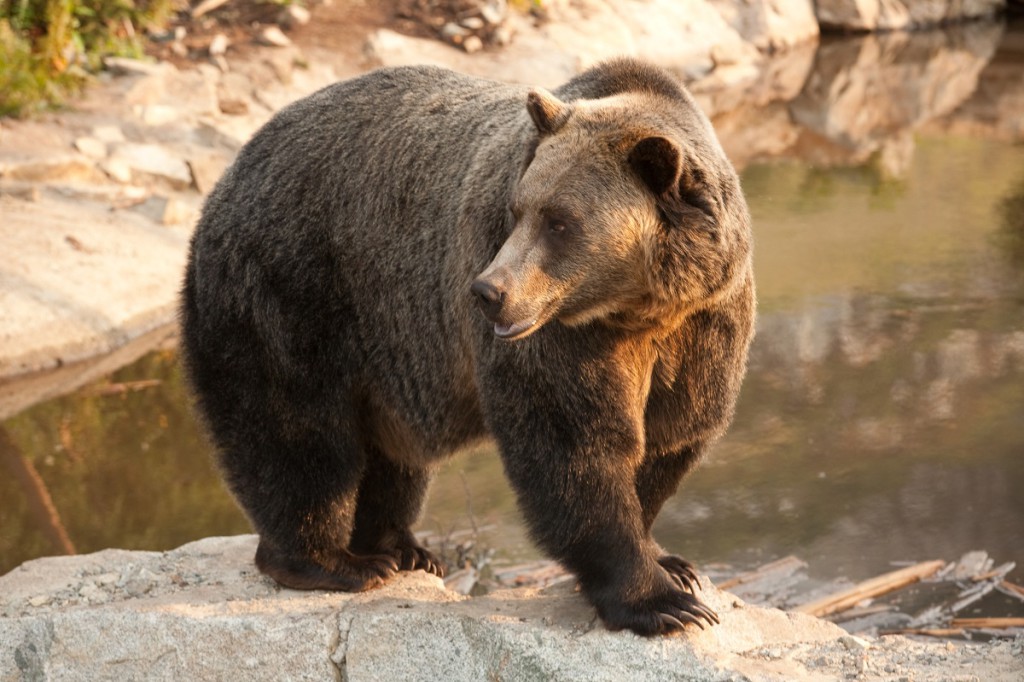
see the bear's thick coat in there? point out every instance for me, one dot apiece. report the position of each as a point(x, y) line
point(403, 264)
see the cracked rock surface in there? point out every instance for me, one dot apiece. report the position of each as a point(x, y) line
point(202, 611)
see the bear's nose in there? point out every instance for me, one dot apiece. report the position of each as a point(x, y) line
point(489, 297)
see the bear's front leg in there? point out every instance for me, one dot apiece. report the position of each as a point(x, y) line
point(585, 513)
point(572, 452)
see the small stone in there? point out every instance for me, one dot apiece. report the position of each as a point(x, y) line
point(272, 36)
point(108, 133)
point(494, 14)
point(453, 33)
point(179, 49)
point(472, 23)
point(126, 66)
point(91, 147)
point(854, 643)
point(502, 36)
point(219, 45)
point(158, 114)
point(106, 578)
point(294, 15)
point(154, 161)
point(206, 170)
point(234, 92)
point(176, 212)
point(472, 44)
point(39, 600)
point(118, 170)
point(93, 594)
point(233, 106)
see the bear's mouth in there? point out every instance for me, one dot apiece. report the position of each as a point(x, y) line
point(514, 331)
point(520, 330)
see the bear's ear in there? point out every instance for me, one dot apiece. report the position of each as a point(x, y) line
point(547, 111)
point(657, 162)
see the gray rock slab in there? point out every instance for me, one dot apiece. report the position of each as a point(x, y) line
point(86, 280)
point(206, 613)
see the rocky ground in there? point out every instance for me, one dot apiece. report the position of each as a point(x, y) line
point(203, 612)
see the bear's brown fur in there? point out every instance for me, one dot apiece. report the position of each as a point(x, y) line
point(331, 333)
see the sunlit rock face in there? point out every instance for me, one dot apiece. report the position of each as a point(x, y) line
point(771, 25)
point(870, 15)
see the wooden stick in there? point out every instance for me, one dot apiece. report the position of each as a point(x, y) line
point(1011, 587)
point(761, 571)
point(871, 588)
point(988, 623)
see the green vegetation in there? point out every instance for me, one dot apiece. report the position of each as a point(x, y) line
point(47, 47)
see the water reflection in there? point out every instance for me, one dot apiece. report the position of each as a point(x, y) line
point(882, 417)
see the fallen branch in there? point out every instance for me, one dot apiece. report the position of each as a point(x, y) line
point(789, 562)
point(1007, 587)
point(871, 588)
point(987, 623)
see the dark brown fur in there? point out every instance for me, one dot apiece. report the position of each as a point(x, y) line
point(337, 354)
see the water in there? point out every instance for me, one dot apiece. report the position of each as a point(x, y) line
point(882, 419)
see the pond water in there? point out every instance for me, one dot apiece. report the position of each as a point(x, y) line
point(882, 419)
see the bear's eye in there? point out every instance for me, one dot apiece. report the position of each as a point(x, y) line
point(556, 226)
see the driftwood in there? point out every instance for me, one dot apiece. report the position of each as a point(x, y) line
point(987, 623)
point(788, 563)
point(871, 588)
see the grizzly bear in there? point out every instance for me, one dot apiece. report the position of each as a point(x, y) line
point(404, 264)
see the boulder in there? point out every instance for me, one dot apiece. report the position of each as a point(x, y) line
point(770, 25)
point(687, 36)
point(202, 611)
point(872, 15)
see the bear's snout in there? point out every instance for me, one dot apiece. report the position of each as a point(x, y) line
point(489, 297)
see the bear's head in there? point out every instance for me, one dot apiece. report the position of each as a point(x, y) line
point(627, 211)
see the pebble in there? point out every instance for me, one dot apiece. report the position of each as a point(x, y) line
point(502, 36)
point(93, 594)
point(294, 15)
point(472, 23)
point(494, 14)
point(273, 37)
point(106, 578)
point(219, 45)
point(472, 44)
point(39, 600)
point(117, 169)
point(854, 643)
point(91, 147)
point(108, 134)
point(453, 32)
point(158, 114)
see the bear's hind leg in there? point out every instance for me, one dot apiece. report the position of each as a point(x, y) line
point(347, 573)
point(390, 499)
point(299, 487)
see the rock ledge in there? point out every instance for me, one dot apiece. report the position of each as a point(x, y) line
point(203, 612)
